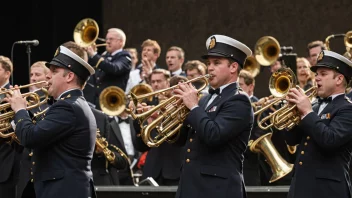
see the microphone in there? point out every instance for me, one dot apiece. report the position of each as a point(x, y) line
point(34, 42)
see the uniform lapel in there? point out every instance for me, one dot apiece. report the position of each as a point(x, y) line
point(226, 92)
point(116, 129)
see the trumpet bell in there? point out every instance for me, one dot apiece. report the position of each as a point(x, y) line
point(86, 32)
point(279, 166)
point(112, 101)
point(252, 66)
point(267, 50)
point(281, 82)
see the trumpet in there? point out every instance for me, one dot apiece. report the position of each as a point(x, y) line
point(172, 113)
point(33, 101)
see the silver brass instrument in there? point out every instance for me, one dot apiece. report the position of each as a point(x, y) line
point(7, 114)
point(86, 33)
point(279, 166)
point(171, 114)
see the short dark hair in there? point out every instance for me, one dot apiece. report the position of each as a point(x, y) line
point(176, 79)
point(196, 64)
point(314, 44)
point(247, 77)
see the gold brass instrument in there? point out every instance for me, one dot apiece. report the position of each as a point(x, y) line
point(279, 166)
point(347, 38)
point(86, 33)
point(112, 100)
point(103, 144)
point(286, 116)
point(142, 89)
point(7, 114)
point(252, 66)
point(267, 50)
point(171, 114)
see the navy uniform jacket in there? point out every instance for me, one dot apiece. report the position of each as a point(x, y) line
point(109, 71)
point(161, 162)
point(9, 165)
point(323, 158)
point(26, 164)
point(106, 173)
point(63, 144)
point(217, 138)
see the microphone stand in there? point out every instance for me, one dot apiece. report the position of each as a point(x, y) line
point(29, 59)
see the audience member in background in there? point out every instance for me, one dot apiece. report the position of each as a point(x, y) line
point(175, 56)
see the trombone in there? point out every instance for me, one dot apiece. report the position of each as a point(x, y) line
point(267, 50)
point(86, 33)
point(172, 113)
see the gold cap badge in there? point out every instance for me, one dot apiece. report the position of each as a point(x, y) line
point(212, 43)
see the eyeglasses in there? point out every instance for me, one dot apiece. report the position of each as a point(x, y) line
point(111, 39)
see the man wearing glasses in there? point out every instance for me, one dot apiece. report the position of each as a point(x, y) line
point(111, 68)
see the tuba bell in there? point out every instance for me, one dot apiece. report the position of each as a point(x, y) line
point(252, 66)
point(86, 33)
point(112, 101)
point(267, 50)
point(279, 166)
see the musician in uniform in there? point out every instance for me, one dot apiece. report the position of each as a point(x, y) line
point(112, 67)
point(9, 158)
point(63, 142)
point(324, 132)
point(217, 129)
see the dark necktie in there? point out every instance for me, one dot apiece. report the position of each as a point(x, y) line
point(214, 91)
point(326, 100)
point(124, 120)
point(51, 100)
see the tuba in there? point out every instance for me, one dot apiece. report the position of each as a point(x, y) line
point(171, 114)
point(34, 100)
point(252, 66)
point(287, 116)
point(267, 50)
point(279, 166)
point(86, 33)
point(112, 101)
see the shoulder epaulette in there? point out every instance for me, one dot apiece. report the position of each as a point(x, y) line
point(348, 99)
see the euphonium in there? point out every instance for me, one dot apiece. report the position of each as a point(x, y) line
point(33, 101)
point(171, 114)
point(286, 116)
point(279, 166)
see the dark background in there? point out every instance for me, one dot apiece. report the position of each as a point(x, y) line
point(185, 23)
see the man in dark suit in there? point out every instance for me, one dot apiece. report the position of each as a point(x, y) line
point(123, 132)
point(105, 173)
point(251, 160)
point(112, 68)
point(217, 129)
point(63, 142)
point(324, 132)
point(9, 158)
point(175, 56)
